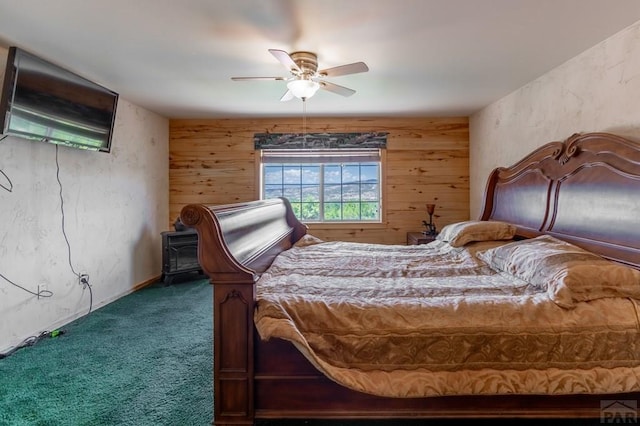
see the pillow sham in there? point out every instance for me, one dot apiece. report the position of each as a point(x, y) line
point(568, 273)
point(461, 233)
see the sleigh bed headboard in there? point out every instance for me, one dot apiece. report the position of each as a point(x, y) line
point(585, 190)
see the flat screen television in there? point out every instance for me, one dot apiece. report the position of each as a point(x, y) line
point(43, 101)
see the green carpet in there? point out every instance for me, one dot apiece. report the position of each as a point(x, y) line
point(145, 359)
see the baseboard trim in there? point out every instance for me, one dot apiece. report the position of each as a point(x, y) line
point(146, 283)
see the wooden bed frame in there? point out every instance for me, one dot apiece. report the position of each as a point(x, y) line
point(585, 190)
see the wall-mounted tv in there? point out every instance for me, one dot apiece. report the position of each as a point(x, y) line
point(46, 102)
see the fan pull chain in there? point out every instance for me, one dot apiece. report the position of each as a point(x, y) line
point(304, 120)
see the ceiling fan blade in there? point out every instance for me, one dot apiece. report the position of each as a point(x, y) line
point(340, 90)
point(287, 96)
point(258, 78)
point(285, 59)
point(354, 68)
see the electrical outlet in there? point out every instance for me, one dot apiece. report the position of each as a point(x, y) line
point(83, 279)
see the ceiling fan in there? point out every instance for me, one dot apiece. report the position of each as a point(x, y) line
point(305, 78)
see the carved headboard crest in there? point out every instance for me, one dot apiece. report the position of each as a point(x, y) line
point(571, 148)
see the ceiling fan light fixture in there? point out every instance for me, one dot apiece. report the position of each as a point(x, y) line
point(303, 89)
point(305, 79)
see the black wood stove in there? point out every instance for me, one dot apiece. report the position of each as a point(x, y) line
point(179, 254)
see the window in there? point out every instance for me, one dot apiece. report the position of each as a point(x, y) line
point(325, 185)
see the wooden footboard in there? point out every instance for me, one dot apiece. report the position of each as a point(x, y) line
point(236, 244)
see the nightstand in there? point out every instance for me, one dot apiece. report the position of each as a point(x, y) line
point(416, 238)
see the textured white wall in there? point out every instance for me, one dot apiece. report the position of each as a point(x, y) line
point(598, 90)
point(115, 207)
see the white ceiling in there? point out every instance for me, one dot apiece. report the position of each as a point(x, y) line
point(426, 57)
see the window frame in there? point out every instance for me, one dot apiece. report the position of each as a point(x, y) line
point(331, 224)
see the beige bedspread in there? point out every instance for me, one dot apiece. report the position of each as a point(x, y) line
point(416, 321)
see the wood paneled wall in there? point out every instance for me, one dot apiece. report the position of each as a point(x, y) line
point(427, 160)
